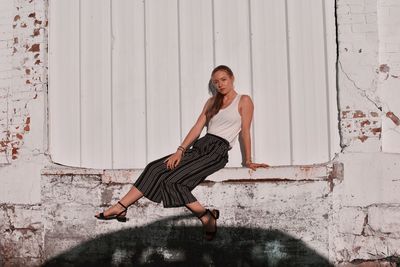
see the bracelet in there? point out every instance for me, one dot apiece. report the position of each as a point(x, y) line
point(181, 148)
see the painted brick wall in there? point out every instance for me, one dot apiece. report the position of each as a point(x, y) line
point(23, 85)
point(23, 50)
point(366, 203)
point(357, 73)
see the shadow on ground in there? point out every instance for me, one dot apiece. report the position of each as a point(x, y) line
point(170, 242)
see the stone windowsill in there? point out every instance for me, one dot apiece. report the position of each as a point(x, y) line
point(315, 172)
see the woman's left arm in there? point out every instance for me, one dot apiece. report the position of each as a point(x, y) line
point(246, 109)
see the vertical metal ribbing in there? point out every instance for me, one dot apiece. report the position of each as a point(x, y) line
point(289, 80)
point(251, 77)
point(145, 82)
point(213, 31)
point(328, 106)
point(179, 71)
point(111, 83)
point(80, 83)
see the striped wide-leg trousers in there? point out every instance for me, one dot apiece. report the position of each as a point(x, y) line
point(173, 187)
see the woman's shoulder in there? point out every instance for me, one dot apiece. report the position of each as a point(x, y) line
point(245, 99)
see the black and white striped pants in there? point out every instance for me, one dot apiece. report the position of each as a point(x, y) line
point(173, 187)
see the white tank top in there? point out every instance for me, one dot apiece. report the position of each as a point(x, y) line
point(227, 123)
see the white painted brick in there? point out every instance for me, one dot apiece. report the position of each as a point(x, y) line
point(385, 219)
point(349, 36)
point(364, 28)
point(371, 18)
point(356, 9)
point(343, 9)
point(373, 247)
point(343, 29)
point(370, 6)
point(373, 38)
point(351, 19)
point(389, 3)
point(351, 220)
point(352, 2)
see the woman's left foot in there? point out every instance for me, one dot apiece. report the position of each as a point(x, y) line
point(117, 212)
point(210, 223)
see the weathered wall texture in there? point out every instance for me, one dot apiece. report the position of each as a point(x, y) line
point(366, 205)
point(348, 218)
point(264, 220)
point(23, 85)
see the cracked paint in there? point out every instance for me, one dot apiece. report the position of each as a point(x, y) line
point(28, 41)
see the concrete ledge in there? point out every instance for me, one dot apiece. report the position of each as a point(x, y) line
point(316, 172)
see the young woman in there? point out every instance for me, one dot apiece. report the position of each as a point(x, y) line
point(172, 178)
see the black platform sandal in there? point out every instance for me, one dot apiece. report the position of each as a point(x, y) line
point(119, 217)
point(215, 215)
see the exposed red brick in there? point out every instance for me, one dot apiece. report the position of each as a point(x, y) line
point(14, 152)
point(28, 71)
point(32, 15)
point(359, 114)
point(19, 136)
point(17, 17)
point(393, 117)
point(35, 48)
point(376, 130)
point(37, 22)
point(27, 122)
point(344, 114)
point(36, 32)
point(366, 122)
point(363, 138)
point(23, 25)
point(384, 68)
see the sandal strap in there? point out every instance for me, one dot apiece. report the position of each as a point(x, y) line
point(203, 214)
point(213, 215)
point(122, 205)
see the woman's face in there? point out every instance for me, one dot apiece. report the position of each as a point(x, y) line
point(223, 82)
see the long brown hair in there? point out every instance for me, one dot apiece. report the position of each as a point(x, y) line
point(218, 97)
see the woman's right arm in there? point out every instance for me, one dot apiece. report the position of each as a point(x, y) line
point(197, 127)
point(193, 134)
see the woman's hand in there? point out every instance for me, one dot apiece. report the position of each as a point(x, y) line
point(254, 166)
point(173, 160)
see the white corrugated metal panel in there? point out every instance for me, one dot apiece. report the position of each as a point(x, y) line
point(272, 138)
point(128, 84)
point(196, 58)
point(307, 81)
point(137, 75)
point(64, 82)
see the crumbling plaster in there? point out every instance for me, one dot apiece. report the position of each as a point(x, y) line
point(23, 98)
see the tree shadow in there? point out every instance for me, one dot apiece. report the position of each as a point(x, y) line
point(170, 242)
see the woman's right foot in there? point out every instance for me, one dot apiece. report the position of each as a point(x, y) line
point(117, 211)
